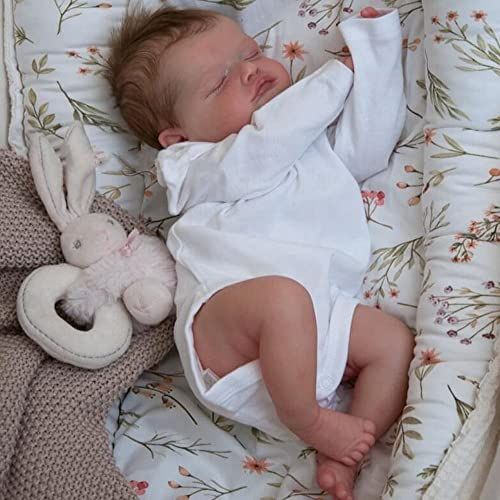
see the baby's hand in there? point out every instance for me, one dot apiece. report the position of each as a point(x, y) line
point(370, 12)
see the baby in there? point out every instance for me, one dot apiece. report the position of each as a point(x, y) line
point(272, 244)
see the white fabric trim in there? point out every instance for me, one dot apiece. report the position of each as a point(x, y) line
point(16, 128)
point(464, 469)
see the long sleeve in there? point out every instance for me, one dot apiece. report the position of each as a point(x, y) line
point(373, 117)
point(258, 158)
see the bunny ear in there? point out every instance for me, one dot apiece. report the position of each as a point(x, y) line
point(79, 172)
point(47, 171)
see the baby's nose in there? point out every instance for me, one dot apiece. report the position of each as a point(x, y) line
point(248, 72)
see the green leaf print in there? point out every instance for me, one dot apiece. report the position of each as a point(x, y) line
point(405, 8)
point(187, 445)
point(441, 100)
point(91, 115)
point(403, 434)
point(427, 473)
point(40, 66)
point(463, 408)
point(265, 43)
point(390, 485)
point(235, 4)
point(479, 54)
point(68, 11)
point(20, 36)
point(38, 117)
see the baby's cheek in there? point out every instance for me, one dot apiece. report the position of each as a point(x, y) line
point(236, 117)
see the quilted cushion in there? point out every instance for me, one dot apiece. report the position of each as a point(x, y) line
point(459, 306)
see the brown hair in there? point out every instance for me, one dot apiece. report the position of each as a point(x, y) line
point(137, 45)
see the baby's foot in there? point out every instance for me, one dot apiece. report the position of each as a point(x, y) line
point(335, 478)
point(340, 436)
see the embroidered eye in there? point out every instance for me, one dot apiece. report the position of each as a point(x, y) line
point(77, 244)
point(109, 221)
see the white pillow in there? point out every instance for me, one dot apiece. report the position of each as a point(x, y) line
point(61, 51)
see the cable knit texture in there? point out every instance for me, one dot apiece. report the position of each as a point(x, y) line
point(53, 441)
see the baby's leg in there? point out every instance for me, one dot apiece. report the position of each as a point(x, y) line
point(380, 352)
point(272, 318)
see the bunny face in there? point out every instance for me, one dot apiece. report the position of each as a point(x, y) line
point(89, 238)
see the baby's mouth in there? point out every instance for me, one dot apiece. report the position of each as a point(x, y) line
point(263, 86)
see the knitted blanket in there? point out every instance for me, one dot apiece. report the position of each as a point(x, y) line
point(53, 441)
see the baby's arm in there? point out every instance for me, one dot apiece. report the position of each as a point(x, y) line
point(249, 163)
point(374, 112)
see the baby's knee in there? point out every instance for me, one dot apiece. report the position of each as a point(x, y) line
point(402, 340)
point(286, 297)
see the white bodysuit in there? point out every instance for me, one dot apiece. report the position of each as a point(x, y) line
point(281, 198)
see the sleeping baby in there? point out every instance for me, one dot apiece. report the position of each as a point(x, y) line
point(272, 243)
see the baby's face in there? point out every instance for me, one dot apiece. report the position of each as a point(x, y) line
point(221, 77)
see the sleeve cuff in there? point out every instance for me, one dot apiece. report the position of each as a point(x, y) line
point(384, 27)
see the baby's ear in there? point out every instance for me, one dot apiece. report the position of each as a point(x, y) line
point(171, 136)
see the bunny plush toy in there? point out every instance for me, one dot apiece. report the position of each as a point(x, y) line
point(109, 276)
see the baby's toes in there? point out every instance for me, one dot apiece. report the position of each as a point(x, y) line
point(341, 492)
point(370, 430)
point(325, 474)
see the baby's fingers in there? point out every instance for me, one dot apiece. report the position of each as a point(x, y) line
point(370, 12)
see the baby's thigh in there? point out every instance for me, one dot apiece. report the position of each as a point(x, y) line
point(226, 329)
point(378, 337)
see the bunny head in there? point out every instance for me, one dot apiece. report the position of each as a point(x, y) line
point(85, 237)
point(91, 237)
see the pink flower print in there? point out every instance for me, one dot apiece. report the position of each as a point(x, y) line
point(84, 71)
point(393, 293)
point(367, 295)
point(448, 289)
point(488, 336)
point(380, 196)
point(253, 465)
point(452, 320)
point(139, 487)
point(429, 134)
point(478, 15)
point(301, 13)
point(473, 227)
point(311, 26)
point(435, 20)
point(452, 15)
point(452, 333)
point(466, 341)
point(434, 300)
point(438, 320)
point(441, 312)
point(438, 38)
point(72, 53)
point(372, 200)
point(489, 284)
point(294, 50)
point(429, 357)
point(93, 50)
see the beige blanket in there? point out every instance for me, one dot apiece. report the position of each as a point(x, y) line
point(53, 443)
